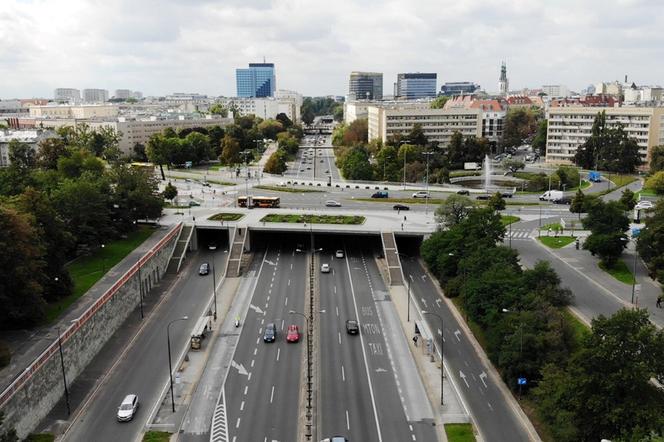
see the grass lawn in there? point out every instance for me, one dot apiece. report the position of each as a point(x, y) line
point(509, 219)
point(288, 189)
point(645, 192)
point(156, 436)
point(220, 183)
point(580, 329)
point(87, 270)
point(459, 432)
point(401, 200)
point(556, 243)
point(225, 217)
point(312, 219)
point(620, 271)
point(40, 437)
point(621, 180)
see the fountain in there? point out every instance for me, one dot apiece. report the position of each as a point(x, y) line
point(487, 173)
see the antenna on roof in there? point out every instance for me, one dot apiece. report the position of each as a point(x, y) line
point(263, 58)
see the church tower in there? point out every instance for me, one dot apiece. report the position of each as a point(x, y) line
point(504, 83)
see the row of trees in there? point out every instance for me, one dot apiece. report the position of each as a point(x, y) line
point(288, 145)
point(70, 196)
point(650, 244)
point(585, 387)
point(316, 106)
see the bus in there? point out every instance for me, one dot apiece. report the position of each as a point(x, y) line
point(260, 201)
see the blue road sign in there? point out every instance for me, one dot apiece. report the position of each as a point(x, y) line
point(635, 232)
point(522, 381)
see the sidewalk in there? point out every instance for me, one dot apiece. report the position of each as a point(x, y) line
point(27, 345)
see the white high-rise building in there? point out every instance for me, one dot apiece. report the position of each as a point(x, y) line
point(67, 94)
point(556, 90)
point(95, 95)
point(123, 94)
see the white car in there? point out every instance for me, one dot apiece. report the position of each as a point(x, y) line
point(325, 268)
point(421, 194)
point(339, 254)
point(645, 204)
point(127, 408)
point(332, 203)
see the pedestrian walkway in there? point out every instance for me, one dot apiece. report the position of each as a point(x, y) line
point(520, 234)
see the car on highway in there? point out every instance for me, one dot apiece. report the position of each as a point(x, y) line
point(400, 207)
point(463, 192)
point(204, 269)
point(212, 246)
point(421, 194)
point(380, 194)
point(270, 334)
point(352, 327)
point(485, 196)
point(339, 254)
point(325, 268)
point(293, 334)
point(127, 408)
point(332, 203)
point(645, 204)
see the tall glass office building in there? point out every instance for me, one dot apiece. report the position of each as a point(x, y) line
point(365, 86)
point(416, 85)
point(257, 81)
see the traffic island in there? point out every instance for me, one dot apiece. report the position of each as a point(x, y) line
point(313, 219)
point(225, 216)
point(459, 433)
point(556, 242)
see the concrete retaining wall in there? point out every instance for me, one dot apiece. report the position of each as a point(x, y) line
point(34, 393)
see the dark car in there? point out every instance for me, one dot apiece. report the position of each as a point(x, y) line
point(270, 334)
point(204, 269)
point(483, 197)
point(400, 207)
point(380, 194)
point(563, 200)
point(352, 327)
point(506, 194)
point(463, 192)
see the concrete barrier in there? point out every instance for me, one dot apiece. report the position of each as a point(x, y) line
point(31, 396)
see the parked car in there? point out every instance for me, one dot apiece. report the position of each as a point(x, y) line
point(421, 194)
point(352, 327)
point(127, 408)
point(270, 334)
point(463, 192)
point(293, 334)
point(332, 203)
point(645, 204)
point(400, 207)
point(380, 194)
point(339, 254)
point(325, 268)
point(204, 269)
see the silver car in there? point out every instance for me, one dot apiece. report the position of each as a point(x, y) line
point(127, 408)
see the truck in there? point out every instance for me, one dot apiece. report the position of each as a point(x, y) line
point(552, 195)
point(472, 166)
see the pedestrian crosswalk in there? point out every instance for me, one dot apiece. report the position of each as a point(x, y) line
point(516, 234)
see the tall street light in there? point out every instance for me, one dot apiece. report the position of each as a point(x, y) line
point(214, 288)
point(246, 154)
point(170, 367)
point(401, 142)
point(442, 368)
point(426, 201)
point(64, 375)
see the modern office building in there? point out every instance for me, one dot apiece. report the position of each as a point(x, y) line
point(258, 80)
point(365, 86)
point(570, 127)
point(437, 124)
point(95, 95)
point(67, 94)
point(450, 89)
point(415, 85)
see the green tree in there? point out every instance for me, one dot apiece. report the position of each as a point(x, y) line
point(50, 150)
point(78, 162)
point(276, 164)
point(355, 164)
point(270, 128)
point(657, 159)
point(513, 165)
point(338, 113)
point(307, 116)
point(539, 141)
point(170, 192)
point(416, 135)
point(607, 223)
point(284, 120)
point(356, 132)
point(135, 195)
point(496, 202)
point(387, 164)
point(439, 102)
point(218, 109)
point(650, 244)
point(158, 152)
point(627, 199)
point(455, 151)
point(578, 203)
point(454, 209)
point(567, 176)
point(656, 182)
point(519, 124)
point(230, 150)
point(199, 146)
point(21, 156)
point(20, 258)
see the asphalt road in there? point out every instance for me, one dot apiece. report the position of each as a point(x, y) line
point(263, 387)
point(493, 416)
point(143, 369)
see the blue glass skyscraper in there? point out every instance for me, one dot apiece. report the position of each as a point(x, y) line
point(257, 81)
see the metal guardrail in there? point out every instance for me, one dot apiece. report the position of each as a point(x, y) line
point(26, 374)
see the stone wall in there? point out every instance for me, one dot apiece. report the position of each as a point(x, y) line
point(34, 393)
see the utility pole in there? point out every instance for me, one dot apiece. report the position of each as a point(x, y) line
point(426, 201)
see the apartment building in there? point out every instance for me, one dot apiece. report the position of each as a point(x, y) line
point(437, 124)
point(80, 111)
point(570, 127)
point(268, 107)
point(29, 137)
point(67, 94)
point(95, 95)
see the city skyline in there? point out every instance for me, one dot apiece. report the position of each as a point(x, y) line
point(173, 47)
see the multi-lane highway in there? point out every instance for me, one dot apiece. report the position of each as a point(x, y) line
point(495, 417)
point(143, 368)
point(315, 160)
point(262, 389)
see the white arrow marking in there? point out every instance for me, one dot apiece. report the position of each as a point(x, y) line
point(463, 377)
point(424, 302)
point(270, 262)
point(423, 277)
point(483, 379)
point(256, 309)
point(438, 301)
point(440, 332)
point(381, 370)
point(457, 333)
point(240, 368)
point(411, 277)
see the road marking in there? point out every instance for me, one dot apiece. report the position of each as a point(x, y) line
point(272, 394)
point(258, 339)
point(463, 377)
point(457, 333)
point(335, 289)
point(382, 370)
point(255, 351)
point(256, 309)
point(490, 407)
point(286, 301)
point(278, 353)
point(266, 306)
point(253, 361)
point(239, 367)
point(268, 298)
point(339, 335)
point(364, 353)
point(483, 379)
point(242, 406)
point(246, 388)
point(237, 424)
point(262, 321)
point(249, 377)
point(347, 421)
point(282, 324)
point(424, 301)
point(291, 266)
point(337, 308)
point(438, 301)
point(343, 373)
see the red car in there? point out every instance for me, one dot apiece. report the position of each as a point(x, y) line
point(293, 334)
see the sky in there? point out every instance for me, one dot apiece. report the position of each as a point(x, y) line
point(165, 46)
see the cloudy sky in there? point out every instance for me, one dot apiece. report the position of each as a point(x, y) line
point(163, 46)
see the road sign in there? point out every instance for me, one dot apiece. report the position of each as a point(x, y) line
point(636, 232)
point(188, 164)
point(637, 289)
point(522, 381)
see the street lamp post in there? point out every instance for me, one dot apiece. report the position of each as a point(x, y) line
point(520, 343)
point(214, 289)
point(442, 368)
point(170, 367)
point(103, 260)
point(404, 162)
point(634, 271)
point(140, 288)
point(246, 154)
point(64, 375)
point(426, 201)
